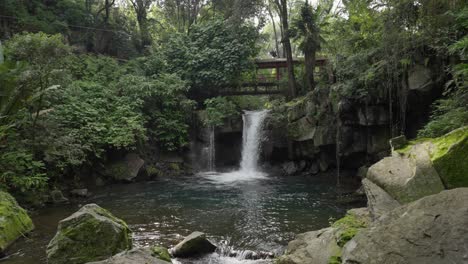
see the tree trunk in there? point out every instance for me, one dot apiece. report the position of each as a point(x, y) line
point(283, 11)
point(274, 31)
point(309, 57)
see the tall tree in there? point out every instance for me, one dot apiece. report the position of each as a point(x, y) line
point(306, 30)
point(282, 7)
point(141, 10)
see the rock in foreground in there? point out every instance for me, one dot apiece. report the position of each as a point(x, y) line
point(193, 245)
point(431, 230)
point(90, 234)
point(14, 221)
point(134, 256)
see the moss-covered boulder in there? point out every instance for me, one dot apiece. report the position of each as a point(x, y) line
point(193, 245)
point(407, 178)
point(91, 234)
point(14, 221)
point(125, 169)
point(431, 230)
point(137, 256)
point(325, 246)
point(448, 154)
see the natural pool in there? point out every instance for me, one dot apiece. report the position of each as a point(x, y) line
point(260, 214)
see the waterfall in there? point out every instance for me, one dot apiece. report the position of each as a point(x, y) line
point(211, 150)
point(251, 139)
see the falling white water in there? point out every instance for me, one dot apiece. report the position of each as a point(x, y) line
point(251, 139)
point(211, 150)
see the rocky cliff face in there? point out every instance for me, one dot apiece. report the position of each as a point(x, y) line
point(411, 216)
point(325, 128)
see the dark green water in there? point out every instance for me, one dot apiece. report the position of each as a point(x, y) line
point(259, 215)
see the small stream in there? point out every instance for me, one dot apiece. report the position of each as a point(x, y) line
point(260, 214)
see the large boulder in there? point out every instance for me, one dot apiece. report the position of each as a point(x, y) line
point(14, 221)
point(126, 169)
point(324, 246)
point(407, 178)
point(90, 234)
point(379, 202)
point(315, 247)
point(136, 256)
point(431, 230)
point(193, 245)
point(449, 155)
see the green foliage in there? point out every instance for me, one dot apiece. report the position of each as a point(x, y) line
point(217, 110)
point(212, 55)
point(451, 112)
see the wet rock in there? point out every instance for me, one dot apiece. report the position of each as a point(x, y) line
point(314, 168)
point(57, 197)
point(379, 202)
point(90, 234)
point(193, 245)
point(134, 256)
point(126, 169)
point(431, 230)
point(79, 192)
point(14, 221)
point(249, 254)
point(289, 168)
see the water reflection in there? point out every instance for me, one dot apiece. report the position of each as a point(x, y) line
point(260, 215)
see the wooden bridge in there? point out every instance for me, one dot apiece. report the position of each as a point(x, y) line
point(268, 81)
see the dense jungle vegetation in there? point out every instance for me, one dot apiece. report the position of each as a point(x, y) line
point(82, 78)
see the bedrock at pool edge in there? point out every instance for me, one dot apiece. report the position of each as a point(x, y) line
point(417, 211)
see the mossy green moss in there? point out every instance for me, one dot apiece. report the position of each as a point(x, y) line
point(14, 221)
point(335, 260)
point(348, 226)
point(450, 158)
point(90, 234)
point(161, 253)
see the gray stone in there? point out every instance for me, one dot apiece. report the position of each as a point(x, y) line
point(379, 202)
point(407, 178)
point(126, 169)
point(56, 197)
point(91, 234)
point(315, 247)
point(431, 230)
point(419, 78)
point(133, 256)
point(289, 168)
point(193, 245)
point(79, 192)
point(314, 168)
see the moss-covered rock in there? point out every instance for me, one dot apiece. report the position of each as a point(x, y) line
point(161, 253)
point(14, 221)
point(448, 154)
point(126, 169)
point(450, 158)
point(90, 234)
point(325, 246)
